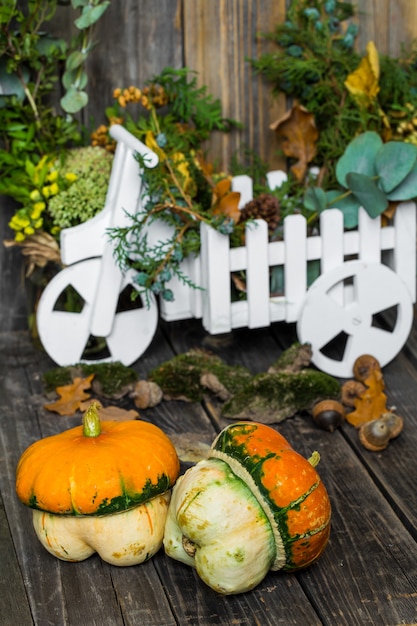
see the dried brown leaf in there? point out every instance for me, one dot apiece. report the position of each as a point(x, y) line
point(72, 396)
point(298, 136)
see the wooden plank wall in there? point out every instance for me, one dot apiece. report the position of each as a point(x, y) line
point(138, 38)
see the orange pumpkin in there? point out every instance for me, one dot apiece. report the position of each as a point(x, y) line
point(100, 471)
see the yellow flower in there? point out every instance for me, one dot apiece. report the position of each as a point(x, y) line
point(71, 177)
point(14, 225)
point(19, 237)
point(363, 82)
point(29, 230)
point(53, 189)
point(35, 195)
point(39, 206)
point(46, 191)
point(18, 222)
point(52, 176)
point(37, 210)
point(38, 224)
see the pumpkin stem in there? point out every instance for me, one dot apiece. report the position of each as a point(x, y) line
point(314, 459)
point(91, 421)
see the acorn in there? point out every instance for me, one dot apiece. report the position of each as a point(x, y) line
point(328, 414)
point(376, 434)
point(351, 390)
point(363, 366)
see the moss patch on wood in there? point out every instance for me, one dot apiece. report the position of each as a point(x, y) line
point(180, 377)
point(271, 398)
point(111, 379)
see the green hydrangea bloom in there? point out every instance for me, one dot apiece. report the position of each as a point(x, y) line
point(86, 196)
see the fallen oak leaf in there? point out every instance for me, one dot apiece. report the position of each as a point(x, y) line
point(370, 404)
point(72, 396)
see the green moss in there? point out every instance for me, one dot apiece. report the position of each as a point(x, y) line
point(296, 357)
point(57, 377)
point(113, 377)
point(270, 398)
point(180, 377)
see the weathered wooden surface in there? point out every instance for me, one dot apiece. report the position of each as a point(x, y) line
point(367, 575)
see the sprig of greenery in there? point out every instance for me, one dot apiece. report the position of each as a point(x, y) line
point(30, 61)
point(180, 192)
point(314, 56)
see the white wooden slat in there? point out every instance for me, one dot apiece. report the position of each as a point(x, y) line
point(244, 185)
point(196, 295)
point(276, 178)
point(257, 274)
point(369, 237)
point(331, 231)
point(215, 272)
point(405, 245)
point(295, 269)
point(240, 314)
point(332, 244)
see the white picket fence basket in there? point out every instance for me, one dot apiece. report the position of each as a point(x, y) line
point(363, 273)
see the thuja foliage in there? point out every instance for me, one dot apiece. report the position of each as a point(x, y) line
point(180, 192)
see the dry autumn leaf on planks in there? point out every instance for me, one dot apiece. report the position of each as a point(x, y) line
point(71, 396)
point(74, 397)
point(372, 403)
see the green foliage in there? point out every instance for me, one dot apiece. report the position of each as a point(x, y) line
point(30, 62)
point(371, 174)
point(178, 193)
point(314, 56)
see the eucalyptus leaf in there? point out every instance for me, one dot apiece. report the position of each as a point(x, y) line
point(90, 15)
point(407, 190)
point(370, 196)
point(393, 162)
point(10, 85)
point(76, 79)
point(75, 59)
point(359, 157)
point(46, 45)
point(348, 204)
point(315, 199)
point(74, 101)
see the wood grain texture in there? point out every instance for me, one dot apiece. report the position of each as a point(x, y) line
point(219, 37)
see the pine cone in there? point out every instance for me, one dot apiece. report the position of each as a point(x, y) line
point(265, 207)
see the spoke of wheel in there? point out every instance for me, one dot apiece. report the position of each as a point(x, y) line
point(332, 318)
